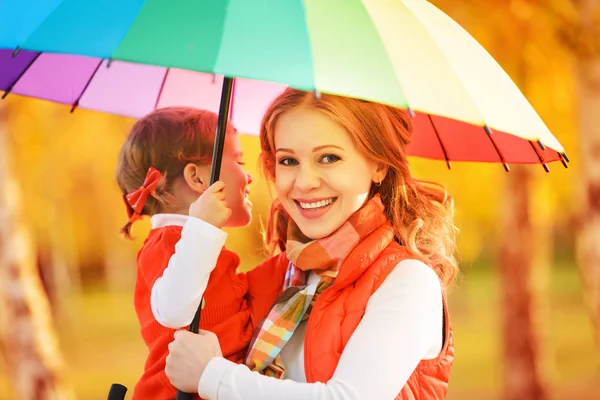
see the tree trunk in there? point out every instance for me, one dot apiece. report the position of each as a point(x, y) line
point(588, 98)
point(26, 332)
point(519, 297)
point(523, 261)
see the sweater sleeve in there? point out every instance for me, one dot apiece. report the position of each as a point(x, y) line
point(264, 286)
point(155, 254)
point(176, 294)
point(401, 326)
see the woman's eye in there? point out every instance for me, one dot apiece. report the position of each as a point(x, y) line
point(288, 161)
point(329, 158)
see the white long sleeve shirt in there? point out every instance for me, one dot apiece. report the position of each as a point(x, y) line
point(176, 295)
point(402, 325)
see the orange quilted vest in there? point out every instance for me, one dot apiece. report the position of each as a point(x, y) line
point(339, 309)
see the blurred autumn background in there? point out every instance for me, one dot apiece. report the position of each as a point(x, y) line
point(526, 311)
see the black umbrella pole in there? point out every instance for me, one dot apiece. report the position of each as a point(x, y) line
point(215, 171)
point(117, 392)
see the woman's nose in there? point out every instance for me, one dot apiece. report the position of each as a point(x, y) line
point(307, 178)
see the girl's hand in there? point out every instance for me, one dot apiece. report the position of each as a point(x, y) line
point(211, 206)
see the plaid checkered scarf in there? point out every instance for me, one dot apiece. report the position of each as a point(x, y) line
point(324, 257)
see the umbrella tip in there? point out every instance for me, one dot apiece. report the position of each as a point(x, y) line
point(74, 107)
point(411, 112)
point(564, 159)
point(565, 156)
point(317, 94)
point(16, 51)
point(506, 167)
point(108, 62)
point(546, 168)
point(487, 130)
point(539, 142)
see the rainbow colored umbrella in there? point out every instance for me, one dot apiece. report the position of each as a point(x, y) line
point(129, 57)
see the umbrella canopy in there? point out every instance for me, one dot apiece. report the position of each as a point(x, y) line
point(131, 56)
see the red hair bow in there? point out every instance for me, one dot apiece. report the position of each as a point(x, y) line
point(136, 200)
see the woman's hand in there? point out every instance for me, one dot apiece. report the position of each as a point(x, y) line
point(188, 356)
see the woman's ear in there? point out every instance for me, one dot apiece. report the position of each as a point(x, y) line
point(196, 177)
point(379, 173)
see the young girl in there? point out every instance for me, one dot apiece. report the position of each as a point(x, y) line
point(163, 172)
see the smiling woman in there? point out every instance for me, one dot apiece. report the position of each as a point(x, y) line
point(367, 252)
point(322, 178)
point(342, 151)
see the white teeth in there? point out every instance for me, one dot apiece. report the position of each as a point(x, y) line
point(316, 204)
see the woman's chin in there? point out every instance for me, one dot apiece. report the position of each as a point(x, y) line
point(316, 231)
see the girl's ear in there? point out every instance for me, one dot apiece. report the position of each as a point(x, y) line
point(196, 177)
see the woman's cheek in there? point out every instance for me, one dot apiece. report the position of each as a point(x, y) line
point(283, 181)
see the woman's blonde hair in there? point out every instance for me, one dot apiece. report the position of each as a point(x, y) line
point(421, 212)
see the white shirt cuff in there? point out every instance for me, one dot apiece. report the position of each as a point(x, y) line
point(208, 387)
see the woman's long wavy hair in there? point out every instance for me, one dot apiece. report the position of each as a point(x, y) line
point(421, 212)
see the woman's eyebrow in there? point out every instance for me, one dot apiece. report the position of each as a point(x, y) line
point(314, 149)
point(326, 146)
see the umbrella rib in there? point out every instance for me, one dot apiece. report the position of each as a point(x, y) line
point(564, 159)
point(11, 86)
point(437, 134)
point(110, 57)
point(31, 32)
point(316, 91)
point(546, 168)
point(76, 103)
point(387, 54)
point(488, 132)
point(162, 85)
